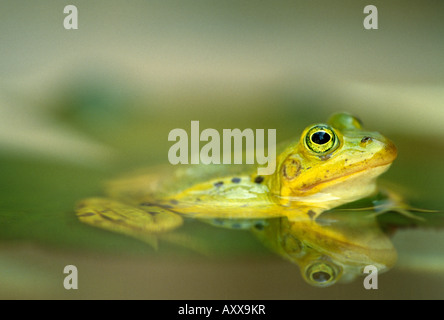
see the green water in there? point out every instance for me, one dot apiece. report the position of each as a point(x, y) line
point(40, 234)
point(80, 107)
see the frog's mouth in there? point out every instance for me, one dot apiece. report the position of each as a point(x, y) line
point(338, 190)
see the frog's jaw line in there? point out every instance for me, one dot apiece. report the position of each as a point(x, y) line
point(359, 184)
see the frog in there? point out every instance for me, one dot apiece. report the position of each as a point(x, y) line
point(331, 164)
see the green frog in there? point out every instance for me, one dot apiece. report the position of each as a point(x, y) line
point(331, 164)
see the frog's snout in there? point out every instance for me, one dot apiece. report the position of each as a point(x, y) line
point(390, 150)
point(379, 144)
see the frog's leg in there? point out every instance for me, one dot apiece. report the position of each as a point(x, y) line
point(392, 201)
point(143, 222)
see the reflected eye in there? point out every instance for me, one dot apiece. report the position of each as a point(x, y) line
point(321, 138)
point(321, 274)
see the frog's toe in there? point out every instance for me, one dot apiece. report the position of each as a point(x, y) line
point(404, 212)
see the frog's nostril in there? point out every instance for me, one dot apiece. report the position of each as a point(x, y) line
point(366, 139)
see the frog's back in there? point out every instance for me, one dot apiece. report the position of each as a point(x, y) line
point(164, 181)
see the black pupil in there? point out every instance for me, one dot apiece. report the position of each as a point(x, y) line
point(320, 137)
point(321, 276)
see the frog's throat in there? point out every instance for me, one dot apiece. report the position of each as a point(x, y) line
point(340, 190)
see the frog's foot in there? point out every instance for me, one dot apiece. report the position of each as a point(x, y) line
point(383, 206)
point(143, 222)
point(391, 202)
point(395, 203)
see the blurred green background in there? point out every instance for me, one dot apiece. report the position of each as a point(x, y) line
point(79, 107)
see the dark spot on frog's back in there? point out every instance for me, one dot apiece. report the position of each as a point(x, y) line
point(174, 201)
point(218, 184)
point(259, 179)
point(236, 180)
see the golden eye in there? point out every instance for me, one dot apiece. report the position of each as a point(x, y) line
point(321, 274)
point(321, 139)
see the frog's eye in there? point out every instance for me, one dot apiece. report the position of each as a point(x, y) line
point(321, 139)
point(321, 274)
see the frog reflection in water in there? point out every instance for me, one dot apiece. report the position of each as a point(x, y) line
point(332, 164)
point(336, 248)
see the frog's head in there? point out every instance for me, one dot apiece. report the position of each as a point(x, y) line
point(333, 163)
